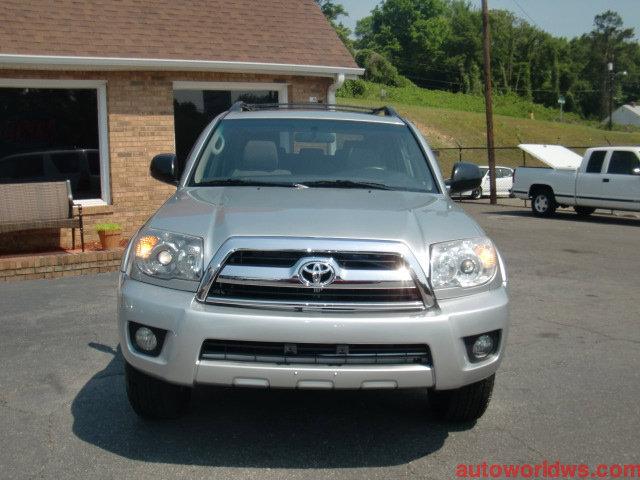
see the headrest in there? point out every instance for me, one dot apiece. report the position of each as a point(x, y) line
point(260, 155)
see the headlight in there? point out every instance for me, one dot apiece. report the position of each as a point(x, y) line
point(167, 255)
point(463, 263)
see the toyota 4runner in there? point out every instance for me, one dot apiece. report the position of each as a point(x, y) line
point(312, 248)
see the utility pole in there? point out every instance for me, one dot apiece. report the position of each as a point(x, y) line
point(489, 101)
point(611, 77)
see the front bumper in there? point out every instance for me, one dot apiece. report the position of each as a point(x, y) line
point(189, 323)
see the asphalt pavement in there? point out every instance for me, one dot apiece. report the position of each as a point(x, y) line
point(568, 388)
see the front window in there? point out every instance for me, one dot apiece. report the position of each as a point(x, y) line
point(54, 133)
point(314, 153)
point(623, 163)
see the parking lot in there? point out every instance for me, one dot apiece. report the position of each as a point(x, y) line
point(568, 389)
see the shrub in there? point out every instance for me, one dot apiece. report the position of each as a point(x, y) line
point(108, 227)
point(352, 88)
point(380, 70)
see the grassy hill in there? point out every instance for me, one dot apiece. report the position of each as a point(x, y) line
point(452, 120)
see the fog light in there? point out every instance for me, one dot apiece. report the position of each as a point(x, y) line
point(482, 347)
point(146, 339)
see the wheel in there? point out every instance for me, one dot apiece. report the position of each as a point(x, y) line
point(584, 211)
point(463, 404)
point(477, 193)
point(152, 398)
point(543, 203)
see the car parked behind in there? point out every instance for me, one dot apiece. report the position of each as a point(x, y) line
point(80, 166)
point(606, 177)
point(504, 182)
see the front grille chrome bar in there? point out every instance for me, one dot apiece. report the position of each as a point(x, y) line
point(344, 278)
point(317, 306)
point(411, 276)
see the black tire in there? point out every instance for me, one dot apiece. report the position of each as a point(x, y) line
point(477, 193)
point(584, 211)
point(152, 398)
point(543, 203)
point(464, 404)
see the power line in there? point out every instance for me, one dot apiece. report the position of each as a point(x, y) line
point(526, 14)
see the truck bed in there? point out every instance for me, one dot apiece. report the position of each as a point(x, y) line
point(561, 181)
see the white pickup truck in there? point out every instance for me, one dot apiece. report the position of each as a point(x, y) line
point(606, 177)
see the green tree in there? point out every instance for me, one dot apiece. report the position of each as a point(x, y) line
point(438, 44)
point(333, 12)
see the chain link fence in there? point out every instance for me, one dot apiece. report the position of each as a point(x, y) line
point(510, 156)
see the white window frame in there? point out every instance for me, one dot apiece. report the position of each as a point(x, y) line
point(281, 88)
point(103, 131)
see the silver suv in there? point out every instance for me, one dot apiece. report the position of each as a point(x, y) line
point(312, 247)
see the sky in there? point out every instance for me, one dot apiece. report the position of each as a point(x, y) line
point(566, 18)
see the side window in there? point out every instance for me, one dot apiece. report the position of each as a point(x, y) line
point(22, 167)
point(623, 163)
point(595, 161)
point(66, 162)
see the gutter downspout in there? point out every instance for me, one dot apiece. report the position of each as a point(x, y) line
point(331, 92)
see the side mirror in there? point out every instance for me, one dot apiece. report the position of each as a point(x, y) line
point(464, 177)
point(164, 167)
point(635, 171)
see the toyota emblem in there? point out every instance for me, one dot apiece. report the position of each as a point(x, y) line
point(316, 273)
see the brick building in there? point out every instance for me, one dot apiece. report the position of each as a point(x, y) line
point(92, 90)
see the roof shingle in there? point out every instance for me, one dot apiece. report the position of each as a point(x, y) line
point(266, 31)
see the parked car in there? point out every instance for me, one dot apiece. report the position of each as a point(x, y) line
point(312, 249)
point(606, 177)
point(80, 166)
point(504, 183)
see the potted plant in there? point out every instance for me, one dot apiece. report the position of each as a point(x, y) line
point(109, 234)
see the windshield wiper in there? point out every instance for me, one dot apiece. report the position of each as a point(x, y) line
point(347, 184)
point(238, 182)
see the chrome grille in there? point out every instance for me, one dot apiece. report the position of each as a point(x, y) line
point(314, 353)
point(356, 261)
point(307, 294)
point(290, 273)
point(271, 279)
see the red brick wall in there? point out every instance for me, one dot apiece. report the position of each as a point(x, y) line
point(140, 124)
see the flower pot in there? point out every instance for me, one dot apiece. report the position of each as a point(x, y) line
point(110, 239)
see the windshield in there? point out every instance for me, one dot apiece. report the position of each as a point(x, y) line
point(314, 154)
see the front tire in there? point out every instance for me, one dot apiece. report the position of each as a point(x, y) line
point(477, 193)
point(152, 398)
point(584, 211)
point(543, 203)
point(464, 404)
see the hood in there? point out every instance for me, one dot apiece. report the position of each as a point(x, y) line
point(217, 213)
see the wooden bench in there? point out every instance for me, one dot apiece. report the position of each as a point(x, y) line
point(38, 205)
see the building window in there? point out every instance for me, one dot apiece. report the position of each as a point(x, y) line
point(195, 104)
point(55, 130)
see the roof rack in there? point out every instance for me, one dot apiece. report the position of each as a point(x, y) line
point(252, 107)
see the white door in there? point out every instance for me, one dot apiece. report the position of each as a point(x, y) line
point(590, 190)
point(504, 180)
point(621, 183)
